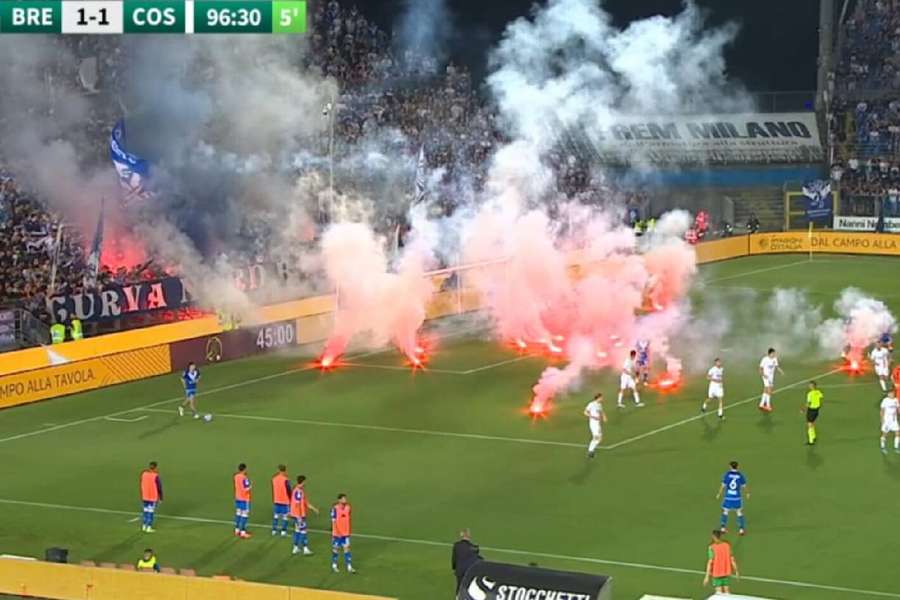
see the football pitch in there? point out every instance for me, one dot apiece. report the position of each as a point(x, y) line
point(423, 454)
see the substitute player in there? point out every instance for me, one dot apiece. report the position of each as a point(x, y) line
point(720, 564)
point(594, 412)
point(767, 368)
point(340, 533)
point(242, 489)
point(734, 486)
point(890, 406)
point(895, 379)
point(715, 376)
point(881, 358)
point(811, 408)
point(281, 500)
point(190, 378)
point(151, 495)
point(300, 505)
point(627, 380)
point(643, 361)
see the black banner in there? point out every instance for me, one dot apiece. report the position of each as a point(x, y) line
point(230, 345)
point(498, 581)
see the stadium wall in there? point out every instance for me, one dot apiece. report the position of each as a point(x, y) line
point(72, 582)
point(41, 373)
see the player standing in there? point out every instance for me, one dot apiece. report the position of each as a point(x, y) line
point(594, 412)
point(299, 506)
point(881, 358)
point(733, 485)
point(715, 375)
point(767, 368)
point(151, 495)
point(281, 500)
point(643, 361)
point(627, 380)
point(340, 533)
point(720, 564)
point(813, 404)
point(241, 501)
point(895, 378)
point(190, 378)
point(889, 409)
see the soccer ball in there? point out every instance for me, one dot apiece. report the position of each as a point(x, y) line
point(207, 417)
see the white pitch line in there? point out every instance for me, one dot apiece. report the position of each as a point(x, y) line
point(119, 420)
point(497, 364)
point(745, 273)
point(407, 369)
point(704, 415)
point(517, 552)
point(434, 432)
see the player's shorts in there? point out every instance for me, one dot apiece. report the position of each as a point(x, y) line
point(626, 382)
point(340, 541)
point(882, 372)
point(300, 524)
point(890, 426)
point(812, 414)
point(716, 390)
point(643, 363)
point(720, 582)
point(732, 504)
point(149, 506)
point(280, 509)
point(768, 381)
point(594, 425)
point(242, 505)
point(190, 393)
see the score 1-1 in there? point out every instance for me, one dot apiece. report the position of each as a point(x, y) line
point(92, 17)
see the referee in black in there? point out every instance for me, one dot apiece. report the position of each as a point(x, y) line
point(465, 554)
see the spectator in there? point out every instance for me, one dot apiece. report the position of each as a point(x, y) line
point(148, 562)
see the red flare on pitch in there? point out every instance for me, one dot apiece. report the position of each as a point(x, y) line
point(853, 367)
point(538, 408)
point(667, 383)
point(327, 362)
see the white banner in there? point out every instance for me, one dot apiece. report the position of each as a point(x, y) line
point(891, 225)
point(702, 139)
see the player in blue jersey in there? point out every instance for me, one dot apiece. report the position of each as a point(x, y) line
point(643, 360)
point(735, 489)
point(189, 379)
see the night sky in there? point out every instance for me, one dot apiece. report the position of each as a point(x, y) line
point(776, 49)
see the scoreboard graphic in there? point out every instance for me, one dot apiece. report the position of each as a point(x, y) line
point(98, 17)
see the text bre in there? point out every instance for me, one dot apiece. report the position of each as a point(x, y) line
point(32, 17)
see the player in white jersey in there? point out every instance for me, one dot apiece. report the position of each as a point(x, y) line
point(628, 380)
point(715, 375)
point(767, 368)
point(881, 358)
point(890, 406)
point(594, 412)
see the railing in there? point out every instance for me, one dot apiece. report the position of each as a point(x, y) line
point(20, 329)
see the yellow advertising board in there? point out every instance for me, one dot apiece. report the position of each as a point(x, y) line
point(732, 247)
point(71, 378)
point(834, 242)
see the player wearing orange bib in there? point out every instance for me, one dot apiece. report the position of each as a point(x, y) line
point(720, 564)
point(300, 505)
point(151, 495)
point(895, 378)
point(281, 500)
point(340, 533)
point(241, 501)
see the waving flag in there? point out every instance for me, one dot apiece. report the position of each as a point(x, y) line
point(93, 266)
point(420, 177)
point(819, 202)
point(133, 171)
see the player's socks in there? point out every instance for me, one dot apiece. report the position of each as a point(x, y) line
point(812, 435)
point(304, 540)
point(883, 385)
point(619, 402)
point(297, 541)
point(723, 521)
point(348, 560)
point(237, 523)
point(334, 560)
point(741, 523)
point(593, 446)
point(637, 398)
point(284, 526)
point(275, 526)
point(896, 443)
point(703, 406)
point(721, 412)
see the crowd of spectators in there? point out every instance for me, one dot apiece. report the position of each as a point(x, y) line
point(864, 116)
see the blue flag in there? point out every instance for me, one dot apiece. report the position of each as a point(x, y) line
point(819, 201)
point(134, 172)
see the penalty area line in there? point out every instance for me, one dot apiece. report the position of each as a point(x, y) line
point(704, 415)
point(511, 551)
point(754, 272)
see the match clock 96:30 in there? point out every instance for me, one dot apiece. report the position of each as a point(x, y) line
point(230, 16)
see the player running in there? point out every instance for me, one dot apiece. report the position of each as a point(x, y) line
point(281, 500)
point(767, 368)
point(627, 380)
point(734, 485)
point(881, 358)
point(890, 406)
point(189, 379)
point(300, 505)
point(811, 408)
point(151, 495)
point(643, 361)
point(242, 489)
point(720, 564)
point(340, 533)
point(715, 376)
point(594, 412)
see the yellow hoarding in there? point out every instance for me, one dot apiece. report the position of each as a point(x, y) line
point(835, 242)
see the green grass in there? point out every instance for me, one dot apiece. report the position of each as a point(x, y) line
point(424, 454)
